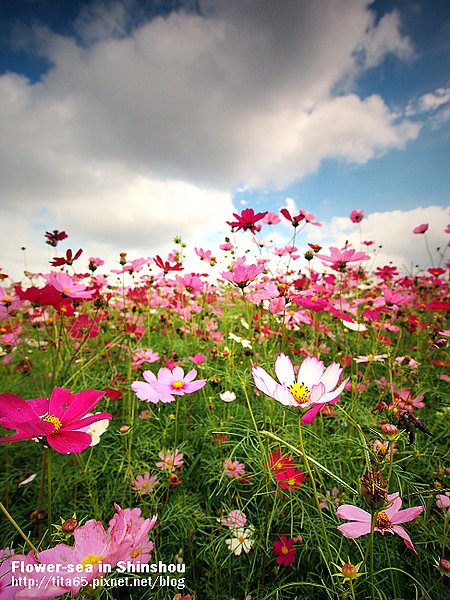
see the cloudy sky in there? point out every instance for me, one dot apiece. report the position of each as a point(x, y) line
point(126, 122)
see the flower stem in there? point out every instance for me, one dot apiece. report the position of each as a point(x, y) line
point(49, 490)
point(313, 484)
point(16, 526)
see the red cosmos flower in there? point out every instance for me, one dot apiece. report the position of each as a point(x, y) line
point(166, 266)
point(58, 418)
point(279, 462)
point(83, 326)
point(247, 220)
point(68, 260)
point(284, 551)
point(294, 220)
point(55, 236)
point(290, 478)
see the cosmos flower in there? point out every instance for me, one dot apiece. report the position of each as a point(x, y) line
point(290, 478)
point(284, 551)
point(313, 387)
point(174, 382)
point(234, 519)
point(241, 541)
point(170, 461)
point(388, 520)
point(144, 483)
point(242, 275)
point(340, 258)
point(421, 228)
point(356, 216)
point(227, 396)
point(65, 284)
point(59, 419)
point(247, 219)
point(233, 468)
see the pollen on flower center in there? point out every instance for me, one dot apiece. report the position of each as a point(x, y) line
point(54, 420)
point(284, 550)
point(66, 290)
point(241, 539)
point(135, 553)
point(91, 559)
point(300, 392)
point(178, 385)
point(382, 521)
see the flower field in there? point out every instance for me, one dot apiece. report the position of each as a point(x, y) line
point(272, 426)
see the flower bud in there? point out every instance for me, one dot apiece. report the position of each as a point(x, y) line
point(69, 525)
point(444, 564)
point(389, 430)
point(349, 570)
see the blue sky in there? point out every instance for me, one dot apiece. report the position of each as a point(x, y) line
point(128, 122)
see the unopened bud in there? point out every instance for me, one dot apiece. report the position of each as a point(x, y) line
point(69, 525)
point(309, 255)
point(445, 565)
point(349, 570)
point(389, 430)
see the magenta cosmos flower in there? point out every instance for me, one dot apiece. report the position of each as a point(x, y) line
point(59, 418)
point(421, 228)
point(356, 216)
point(313, 387)
point(242, 275)
point(340, 258)
point(65, 284)
point(387, 521)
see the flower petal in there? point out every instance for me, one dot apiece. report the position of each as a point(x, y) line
point(331, 376)
point(355, 529)
point(310, 371)
point(353, 513)
point(408, 514)
point(69, 441)
point(284, 370)
point(404, 535)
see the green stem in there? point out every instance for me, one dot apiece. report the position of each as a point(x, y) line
point(49, 489)
point(313, 483)
point(16, 526)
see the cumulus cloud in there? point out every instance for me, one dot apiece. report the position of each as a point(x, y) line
point(143, 126)
point(392, 230)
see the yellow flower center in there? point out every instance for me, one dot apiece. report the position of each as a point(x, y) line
point(241, 539)
point(178, 385)
point(66, 290)
point(300, 392)
point(382, 521)
point(291, 482)
point(135, 553)
point(231, 467)
point(284, 550)
point(91, 559)
point(6, 298)
point(54, 420)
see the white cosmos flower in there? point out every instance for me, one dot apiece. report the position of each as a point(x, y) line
point(241, 540)
point(96, 430)
point(354, 326)
point(228, 396)
point(313, 387)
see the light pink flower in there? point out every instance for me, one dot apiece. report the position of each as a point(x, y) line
point(144, 483)
point(142, 356)
point(170, 461)
point(387, 521)
point(59, 418)
point(236, 518)
point(313, 387)
point(421, 228)
point(443, 501)
point(340, 258)
point(233, 468)
point(144, 390)
point(174, 382)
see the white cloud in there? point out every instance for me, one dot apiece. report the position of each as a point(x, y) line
point(138, 134)
point(393, 231)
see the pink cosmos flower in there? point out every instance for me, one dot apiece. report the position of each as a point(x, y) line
point(174, 382)
point(65, 284)
point(242, 275)
point(284, 551)
point(290, 478)
point(236, 518)
point(144, 483)
point(387, 521)
point(421, 228)
point(313, 388)
point(233, 468)
point(340, 258)
point(271, 218)
point(197, 359)
point(356, 216)
point(246, 220)
point(443, 501)
point(59, 418)
point(144, 390)
point(142, 356)
point(170, 461)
